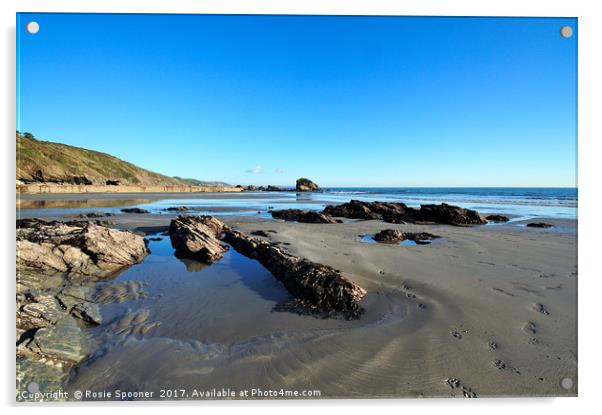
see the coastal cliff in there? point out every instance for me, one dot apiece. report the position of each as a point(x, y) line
point(38, 188)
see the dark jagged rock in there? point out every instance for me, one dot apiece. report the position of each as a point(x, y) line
point(497, 218)
point(135, 210)
point(401, 213)
point(395, 236)
point(539, 225)
point(86, 248)
point(113, 182)
point(357, 209)
point(305, 185)
point(271, 188)
point(78, 180)
point(177, 209)
point(319, 285)
point(93, 215)
point(304, 216)
point(197, 237)
point(260, 233)
point(449, 214)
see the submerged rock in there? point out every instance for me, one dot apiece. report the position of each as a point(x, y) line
point(177, 209)
point(401, 213)
point(63, 343)
point(304, 216)
point(50, 341)
point(197, 237)
point(135, 210)
point(76, 247)
point(394, 236)
point(317, 285)
point(497, 218)
point(305, 185)
point(539, 225)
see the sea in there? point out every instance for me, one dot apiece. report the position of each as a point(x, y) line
point(516, 202)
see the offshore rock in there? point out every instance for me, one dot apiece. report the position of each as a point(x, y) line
point(305, 185)
point(452, 215)
point(356, 209)
point(135, 210)
point(401, 213)
point(539, 225)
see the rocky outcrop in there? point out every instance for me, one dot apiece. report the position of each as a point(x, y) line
point(305, 185)
point(135, 210)
point(452, 215)
point(304, 216)
point(50, 314)
point(497, 218)
point(197, 237)
point(396, 236)
point(357, 209)
point(318, 286)
point(76, 247)
point(401, 213)
point(539, 225)
point(272, 188)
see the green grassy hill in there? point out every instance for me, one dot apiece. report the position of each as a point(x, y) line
point(195, 182)
point(43, 161)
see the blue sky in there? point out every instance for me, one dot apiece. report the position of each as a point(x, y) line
point(346, 101)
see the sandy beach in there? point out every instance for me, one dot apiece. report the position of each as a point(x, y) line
point(488, 309)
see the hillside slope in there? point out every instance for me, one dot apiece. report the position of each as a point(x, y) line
point(47, 162)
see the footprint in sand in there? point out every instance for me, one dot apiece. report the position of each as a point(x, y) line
point(492, 345)
point(530, 327)
point(540, 308)
point(456, 334)
point(501, 365)
point(457, 384)
point(499, 290)
point(547, 275)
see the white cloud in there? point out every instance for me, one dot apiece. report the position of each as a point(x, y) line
point(255, 170)
point(279, 170)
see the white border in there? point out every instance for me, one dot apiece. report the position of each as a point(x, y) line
point(590, 68)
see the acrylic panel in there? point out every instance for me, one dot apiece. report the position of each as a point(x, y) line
point(299, 207)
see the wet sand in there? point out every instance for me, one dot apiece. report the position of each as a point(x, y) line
point(459, 308)
point(492, 306)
